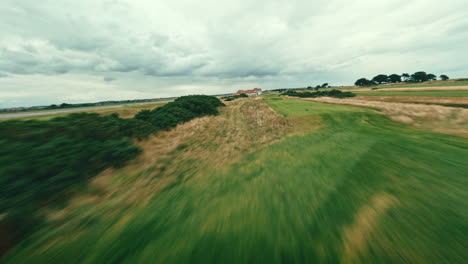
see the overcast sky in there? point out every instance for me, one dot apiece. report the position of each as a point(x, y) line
point(54, 51)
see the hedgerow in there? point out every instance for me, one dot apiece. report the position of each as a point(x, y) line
point(332, 93)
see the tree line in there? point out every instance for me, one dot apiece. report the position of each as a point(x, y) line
point(41, 160)
point(416, 77)
point(332, 93)
point(316, 88)
point(325, 85)
point(234, 97)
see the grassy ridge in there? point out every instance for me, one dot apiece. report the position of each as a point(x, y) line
point(306, 199)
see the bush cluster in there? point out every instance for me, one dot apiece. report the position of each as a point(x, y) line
point(234, 97)
point(332, 93)
point(181, 110)
point(41, 159)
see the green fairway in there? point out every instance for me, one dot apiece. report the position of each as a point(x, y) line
point(416, 93)
point(359, 189)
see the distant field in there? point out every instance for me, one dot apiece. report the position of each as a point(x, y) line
point(126, 111)
point(316, 183)
point(415, 93)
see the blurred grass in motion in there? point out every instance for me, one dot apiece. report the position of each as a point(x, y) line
point(356, 187)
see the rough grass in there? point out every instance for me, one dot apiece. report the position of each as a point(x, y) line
point(449, 120)
point(444, 93)
point(358, 188)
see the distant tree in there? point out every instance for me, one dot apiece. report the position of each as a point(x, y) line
point(420, 76)
point(364, 82)
point(444, 77)
point(318, 86)
point(309, 87)
point(394, 78)
point(405, 77)
point(431, 77)
point(381, 78)
point(325, 85)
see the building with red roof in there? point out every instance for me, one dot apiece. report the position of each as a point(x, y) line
point(254, 91)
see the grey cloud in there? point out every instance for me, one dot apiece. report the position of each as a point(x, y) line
point(262, 43)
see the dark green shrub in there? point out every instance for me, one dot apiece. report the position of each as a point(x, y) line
point(170, 116)
point(143, 115)
point(40, 159)
point(332, 93)
point(181, 110)
point(198, 106)
point(234, 97)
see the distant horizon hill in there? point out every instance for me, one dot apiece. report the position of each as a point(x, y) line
point(67, 105)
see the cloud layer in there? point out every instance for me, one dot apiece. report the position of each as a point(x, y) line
point(53, 51)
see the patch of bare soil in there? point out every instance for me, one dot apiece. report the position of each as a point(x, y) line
point(441, 119)
point(357, 235)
